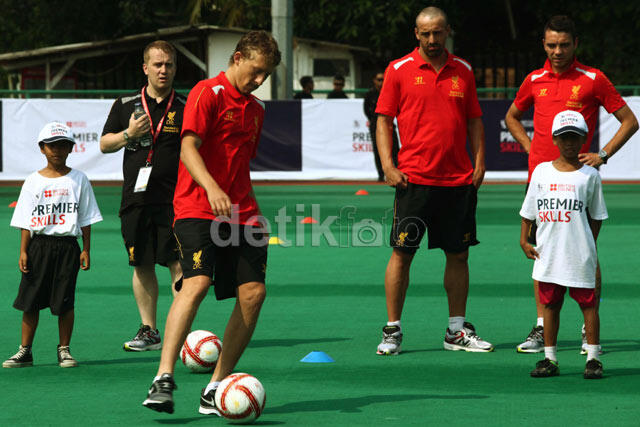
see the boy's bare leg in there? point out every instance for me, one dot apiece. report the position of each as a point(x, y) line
point(598, 289)
point(592, 324)
point(65, 327)
point(551, 323)
point(29, 325)
point(240, 327)
point(181, 314)
point(539, 305)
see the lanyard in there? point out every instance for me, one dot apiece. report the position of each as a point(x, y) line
point(155, 134)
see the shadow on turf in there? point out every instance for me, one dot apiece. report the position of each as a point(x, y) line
point(292, 342)
point(620, 372)
point(609, 346)
point(424, 350)
point(354, 404)
point(121, 361)
point(208, 419)
point(82, 362)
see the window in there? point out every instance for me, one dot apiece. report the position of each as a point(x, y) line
point(330, 67)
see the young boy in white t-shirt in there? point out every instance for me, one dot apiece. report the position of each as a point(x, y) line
point(566, 202)
point(56, 205)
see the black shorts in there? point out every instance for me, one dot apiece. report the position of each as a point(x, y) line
point(53, 263)
point(231, 254)
point(448, 214)
point(148, 237)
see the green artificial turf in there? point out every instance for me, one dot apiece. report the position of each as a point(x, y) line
point(328, 295)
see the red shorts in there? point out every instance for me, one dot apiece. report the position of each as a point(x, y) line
point(550, 293)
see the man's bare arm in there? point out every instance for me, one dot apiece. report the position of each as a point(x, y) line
point(628, 126)
point(475, 130)
point(112, 142)
point(513, 121)
point(384, 140)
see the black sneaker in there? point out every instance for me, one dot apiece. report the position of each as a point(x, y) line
point(160, 396)
point(208, 403)
point(65, 360)
point(546, 368)
point(21, 359)
point(593, 370)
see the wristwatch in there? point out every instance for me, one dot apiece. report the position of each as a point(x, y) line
point(126, 136)
point(603, 156)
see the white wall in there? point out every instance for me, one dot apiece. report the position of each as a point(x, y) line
point(220, 46)
point(303, 55)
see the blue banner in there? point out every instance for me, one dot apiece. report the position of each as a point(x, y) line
point(503, 152)
point(280, 146)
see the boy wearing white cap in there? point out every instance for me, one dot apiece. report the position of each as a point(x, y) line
point(56, 205)
point(565, 200)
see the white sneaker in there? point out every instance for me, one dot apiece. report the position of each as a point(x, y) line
point(391, 341)
point(534, 342)
point(583, 349)
point(146, 339)
point(466, 339)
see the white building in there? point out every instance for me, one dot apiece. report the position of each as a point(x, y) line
point(204, 51)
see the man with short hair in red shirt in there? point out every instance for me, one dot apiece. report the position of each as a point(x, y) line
point(564, 84)
point(217, 218)
point(432, 93)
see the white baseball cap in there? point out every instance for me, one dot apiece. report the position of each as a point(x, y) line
point(55, 131)
point(569, 121)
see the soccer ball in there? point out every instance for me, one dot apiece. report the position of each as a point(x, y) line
point(200, 351)
point(240, 398)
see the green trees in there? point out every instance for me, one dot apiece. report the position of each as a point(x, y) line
point(607, 30)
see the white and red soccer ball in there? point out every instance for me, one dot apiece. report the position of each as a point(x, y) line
point(200, 351)
point(240, 398)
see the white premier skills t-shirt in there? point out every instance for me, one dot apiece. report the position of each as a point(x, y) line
point(56, 206)
point(558, 202)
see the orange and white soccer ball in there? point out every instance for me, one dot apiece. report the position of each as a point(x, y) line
point(240, 398)
point(200, 351)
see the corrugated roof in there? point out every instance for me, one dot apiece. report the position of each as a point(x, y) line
point(25, 58)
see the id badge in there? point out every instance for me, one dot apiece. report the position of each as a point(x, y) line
point(143, 179)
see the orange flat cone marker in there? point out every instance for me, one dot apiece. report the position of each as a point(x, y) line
point(13, 204)
point(362, 193)
point(308, 220)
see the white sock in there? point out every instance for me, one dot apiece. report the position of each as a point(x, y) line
point(456, 323)
point(550, 353)
point(593, 350)
point(211, 386)
point(156, 378)
point(396, 323)
point(540, 322)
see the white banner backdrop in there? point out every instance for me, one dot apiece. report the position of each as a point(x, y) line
point(22, 119)
point(625, 164)
point(335, 141)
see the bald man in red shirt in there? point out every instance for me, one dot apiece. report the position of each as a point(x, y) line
point(564, 84)
point(217, 218)
point(432, 93)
